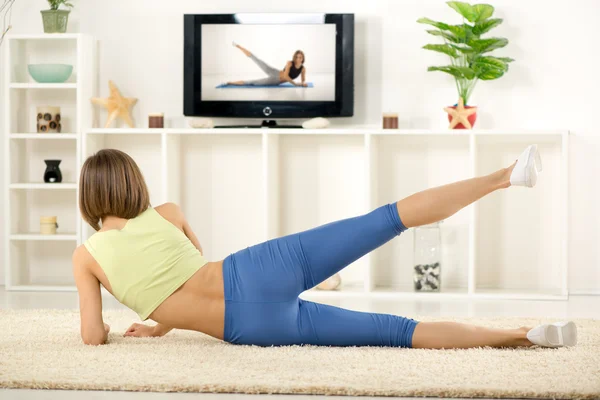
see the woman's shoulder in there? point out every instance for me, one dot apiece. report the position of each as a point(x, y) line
point(171, 212)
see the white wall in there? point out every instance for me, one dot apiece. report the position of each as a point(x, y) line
point(552, 84)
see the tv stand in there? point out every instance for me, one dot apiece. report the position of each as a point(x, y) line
point(267, 123)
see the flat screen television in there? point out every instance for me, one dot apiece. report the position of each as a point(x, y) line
point(268, 65)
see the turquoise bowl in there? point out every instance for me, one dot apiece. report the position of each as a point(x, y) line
point(50, 73)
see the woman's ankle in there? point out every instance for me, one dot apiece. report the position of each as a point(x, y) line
point(521, 337)
point(501, 178)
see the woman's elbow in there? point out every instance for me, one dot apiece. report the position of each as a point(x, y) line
point(94, 339)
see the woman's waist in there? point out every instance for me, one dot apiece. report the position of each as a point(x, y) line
point(185, 310)
point(206, 283)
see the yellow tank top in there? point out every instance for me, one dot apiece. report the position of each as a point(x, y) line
point(146, 261)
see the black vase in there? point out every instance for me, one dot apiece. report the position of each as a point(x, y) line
point(52, 173)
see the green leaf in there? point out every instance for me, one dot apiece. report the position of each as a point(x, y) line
point(463, 49)
point(483, 12)
point(485, 26)
point(464, 9)
point(458, 72)
point(485, 45)
point(439, 25)
point(442, 48)
point(463, 32)
point(488, 74)
point(505, 59)
point(488, 68)
point(446, 35)
point(490, 63)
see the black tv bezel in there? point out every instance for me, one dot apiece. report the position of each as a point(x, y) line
point(193, 105)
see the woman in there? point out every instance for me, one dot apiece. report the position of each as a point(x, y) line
point(275, 77)
point(151, 261)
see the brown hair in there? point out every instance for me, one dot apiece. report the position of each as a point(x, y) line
point(111, 184)
point(296, 53)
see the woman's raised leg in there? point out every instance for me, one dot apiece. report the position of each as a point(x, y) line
point(329, 248)
point(244, 50)
point(439, 203)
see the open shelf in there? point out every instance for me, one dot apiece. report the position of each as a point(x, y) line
point(24, 107)
point(35, 85)
point(402, 166)
point(27, 206)
point(126, 131)
point(221, 189)
point(38, 50)
point(44, 186)
point(41, 263)
point(239, 187)
point(518, 248)
point(34, 261)
point(28, 166)
point(37, 236)
point(44, 36)
point(42, 288)
point(350, 130)
point(43, 136)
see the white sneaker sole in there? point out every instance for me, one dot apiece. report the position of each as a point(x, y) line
point(533, 166)
point(563, 334)
point(560, 334)
point(531, 169)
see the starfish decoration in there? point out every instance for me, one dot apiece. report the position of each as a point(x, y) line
point(460, 114)
point(116, 105)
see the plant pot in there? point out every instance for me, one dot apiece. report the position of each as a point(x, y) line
point(55, 21)
point(471, 118)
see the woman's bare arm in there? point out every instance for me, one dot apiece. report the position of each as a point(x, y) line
point(93, 329)
point(173, 213)
point(187, 229)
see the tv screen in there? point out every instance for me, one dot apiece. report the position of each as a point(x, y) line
point(269, 65)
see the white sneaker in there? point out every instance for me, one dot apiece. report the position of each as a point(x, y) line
point(558, 334)
point(234, 44)
point(529, 165)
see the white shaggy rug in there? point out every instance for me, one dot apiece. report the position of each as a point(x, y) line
point(42, 349)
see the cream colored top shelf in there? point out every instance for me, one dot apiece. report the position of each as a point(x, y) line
point(329, 131)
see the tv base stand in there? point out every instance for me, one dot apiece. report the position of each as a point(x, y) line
point(265, 124)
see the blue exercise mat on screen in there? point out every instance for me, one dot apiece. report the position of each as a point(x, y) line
point(283, 85)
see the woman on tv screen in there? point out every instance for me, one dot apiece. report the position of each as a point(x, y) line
point(276, 77)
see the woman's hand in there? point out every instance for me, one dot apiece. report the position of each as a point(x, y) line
point(304, 84)
point(140, 330)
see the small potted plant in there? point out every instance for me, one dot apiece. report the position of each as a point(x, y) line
point(55, 20)
point(469, 55)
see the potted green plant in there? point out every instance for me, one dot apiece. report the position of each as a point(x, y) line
point(55, 20)
point(469, 55)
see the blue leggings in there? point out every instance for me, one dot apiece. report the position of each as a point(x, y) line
point(262, 284)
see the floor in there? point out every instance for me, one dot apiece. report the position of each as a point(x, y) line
point(575, 307)
point(323, 89)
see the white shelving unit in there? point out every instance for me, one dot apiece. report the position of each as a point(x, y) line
point(34, 261)
point(239, 187)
